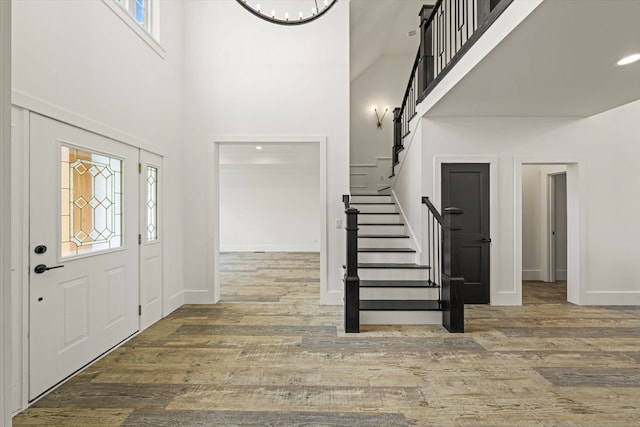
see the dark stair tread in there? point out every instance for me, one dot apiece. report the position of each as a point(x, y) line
point(383, 236)
point(393, 265)
point(396, 284)
point(400, 305)
point(386, 250)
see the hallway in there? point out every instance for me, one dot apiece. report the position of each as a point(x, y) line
point(267, 354)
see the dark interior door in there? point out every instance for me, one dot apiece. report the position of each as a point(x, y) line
point(466, 186)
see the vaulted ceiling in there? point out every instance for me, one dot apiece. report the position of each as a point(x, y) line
point(380, 27)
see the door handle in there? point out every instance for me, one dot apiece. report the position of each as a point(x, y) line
point(41, 268)
point(485, 240)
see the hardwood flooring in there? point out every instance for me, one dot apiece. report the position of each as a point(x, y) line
point(269, 355)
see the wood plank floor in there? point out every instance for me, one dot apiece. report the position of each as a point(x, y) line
point(268, 354)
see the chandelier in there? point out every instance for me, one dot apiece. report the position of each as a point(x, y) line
point(317, 8)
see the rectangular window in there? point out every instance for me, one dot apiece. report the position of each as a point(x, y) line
point(139, 11)
point(91, 202)
point(152, 203)
point(143, 17)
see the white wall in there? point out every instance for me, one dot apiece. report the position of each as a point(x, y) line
point(382, 84)
point(535, 221)
point(267, 208)
point(407, 186)
point(5, 218)
point(531, 223)
point(78, 62)
point(602, 153)
point(248, 77)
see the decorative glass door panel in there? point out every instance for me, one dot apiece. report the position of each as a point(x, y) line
point(91, 202)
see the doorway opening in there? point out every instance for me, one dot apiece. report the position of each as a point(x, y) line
point(269, 222)
point(545, 233)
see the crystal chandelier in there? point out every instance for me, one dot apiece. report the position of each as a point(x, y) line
point(317, 8)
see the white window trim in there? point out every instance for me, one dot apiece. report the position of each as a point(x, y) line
point(150, 38)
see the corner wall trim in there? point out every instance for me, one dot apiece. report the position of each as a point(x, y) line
point(5, 210)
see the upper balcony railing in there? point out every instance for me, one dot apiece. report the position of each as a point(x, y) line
point(448, 29)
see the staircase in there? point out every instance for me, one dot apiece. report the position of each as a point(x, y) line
point(393, 287)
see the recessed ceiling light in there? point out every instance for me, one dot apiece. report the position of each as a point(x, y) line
point(629, 59)
point(258, 147)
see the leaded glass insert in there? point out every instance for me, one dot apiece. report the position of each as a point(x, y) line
point(91, 202)
point(152, 203)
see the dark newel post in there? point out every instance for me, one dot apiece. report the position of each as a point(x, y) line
point(452, 298)
point(425, 68)
point(351, 279)
point(397, 134)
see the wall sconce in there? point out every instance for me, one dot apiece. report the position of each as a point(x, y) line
point(380, 119)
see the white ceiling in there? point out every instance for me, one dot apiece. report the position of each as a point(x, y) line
point(272, 155)
point(380, 27)
point(561, 61)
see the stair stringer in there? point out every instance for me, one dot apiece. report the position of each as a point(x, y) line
point(415, 244)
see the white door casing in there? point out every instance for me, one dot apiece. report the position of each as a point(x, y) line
point(151, 239)
point(85, 308)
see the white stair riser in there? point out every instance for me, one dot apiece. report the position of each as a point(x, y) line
point(382, 257)
point(384, 230)
point(378, 219)
point(401, 318)
point(373, 242)
point(393, 274)
point(370, 199)
point(374, 208)
point(399, 293)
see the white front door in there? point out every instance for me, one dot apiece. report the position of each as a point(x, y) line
point(151, 237)
point(83, 297)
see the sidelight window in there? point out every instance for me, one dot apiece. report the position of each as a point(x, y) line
point(152, 203)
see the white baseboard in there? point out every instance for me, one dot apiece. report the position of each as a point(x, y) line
point(198, 297)
point(174, 302)
point(532, 275)
point(612, 298)
point(332, 298)
point(269, 248)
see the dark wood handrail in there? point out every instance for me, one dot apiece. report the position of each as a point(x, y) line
point(433, 210)
point(412, 77)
